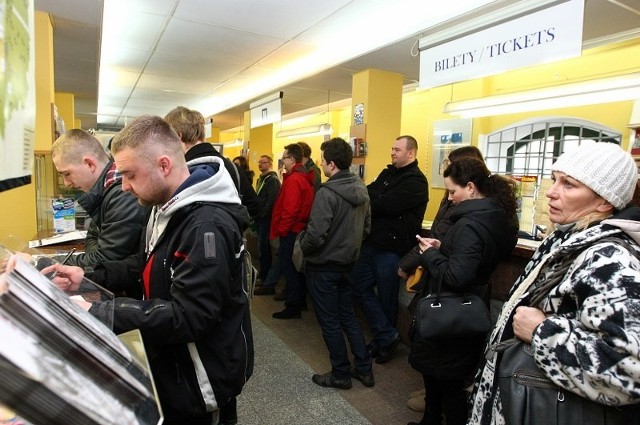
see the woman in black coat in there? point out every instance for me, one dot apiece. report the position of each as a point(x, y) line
point(484, 230)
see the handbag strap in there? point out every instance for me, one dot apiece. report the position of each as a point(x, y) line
point(539, 293)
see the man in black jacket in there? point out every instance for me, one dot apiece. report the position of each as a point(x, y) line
point(194, 317)
point(189, 125)
point(268, 187)
point(116, 216)
point(399, 199)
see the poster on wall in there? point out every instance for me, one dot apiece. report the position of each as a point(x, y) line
point(447, 136)
point(17, 93)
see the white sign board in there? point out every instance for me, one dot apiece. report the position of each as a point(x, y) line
point(267, 113)
point(549, 35)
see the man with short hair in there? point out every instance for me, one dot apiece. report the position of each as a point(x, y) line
point(268, 187)
point(116, 216)
point(340, 218)
point(310, 165)
point(194, 316)
point(189, 124)
point(289, 217)
point(399, 197)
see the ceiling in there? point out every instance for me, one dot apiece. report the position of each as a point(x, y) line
point(216, 55)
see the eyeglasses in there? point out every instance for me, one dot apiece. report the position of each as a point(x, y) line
point(286, 157)
point(263, 162)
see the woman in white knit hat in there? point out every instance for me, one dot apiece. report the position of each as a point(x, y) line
point(585, 331)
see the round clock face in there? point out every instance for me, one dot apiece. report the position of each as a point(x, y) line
point(358, 114)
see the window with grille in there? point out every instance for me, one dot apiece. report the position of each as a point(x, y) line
point(526, 152)
point(531, 148)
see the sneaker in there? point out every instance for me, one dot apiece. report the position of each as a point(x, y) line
point(264, 290)
point(416, 403)
point(327, 380)
point(367, 380)
point(385, 353)
point(287, 313)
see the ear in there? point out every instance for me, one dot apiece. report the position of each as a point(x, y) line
point(604, 206)
point(165, 164)
point(471, 187)
point(90, 162)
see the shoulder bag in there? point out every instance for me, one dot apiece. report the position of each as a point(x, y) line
point(529, 397)
point(451, 315)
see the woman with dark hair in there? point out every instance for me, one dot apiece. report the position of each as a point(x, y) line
point(439, 228)
point(442, 222)
point(241, 161)
point(484, 230)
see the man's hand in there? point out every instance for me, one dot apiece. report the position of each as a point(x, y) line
point(67, 278)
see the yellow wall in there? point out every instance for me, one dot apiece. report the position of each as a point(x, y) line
point(66, 109)
point(18, 212)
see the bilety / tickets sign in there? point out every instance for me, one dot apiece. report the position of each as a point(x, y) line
point(545, 36)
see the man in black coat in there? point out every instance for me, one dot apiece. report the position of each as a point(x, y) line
point(399, 197)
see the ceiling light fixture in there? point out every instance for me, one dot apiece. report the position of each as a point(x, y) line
point(312, 130)
point(604, 90)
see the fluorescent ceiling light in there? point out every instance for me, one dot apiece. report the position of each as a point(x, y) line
point(312, 130)
point(604, 90)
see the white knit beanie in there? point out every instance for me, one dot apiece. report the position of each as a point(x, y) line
point(604, 168)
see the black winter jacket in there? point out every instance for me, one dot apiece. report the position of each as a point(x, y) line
point(195, 316)
point(268, 189)
point(399, 199)
point(116, 221)
point(481, 235)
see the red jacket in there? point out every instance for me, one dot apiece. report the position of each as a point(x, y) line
point(293, 205)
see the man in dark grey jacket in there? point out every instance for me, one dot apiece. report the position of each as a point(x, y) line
point(116, 216)
point(340, 218)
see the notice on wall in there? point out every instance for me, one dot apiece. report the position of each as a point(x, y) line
point(539, 37)
point(17, 93)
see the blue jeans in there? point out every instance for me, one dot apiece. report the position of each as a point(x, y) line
point(296, 291)
point(334, 310)
point(264, 224)
point(377, 269)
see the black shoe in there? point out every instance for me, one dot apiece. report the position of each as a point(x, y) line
point(385, 353)
point(373, 349)
point(287, 313)
point(327, 380)
point(367, 380)
point(264, 290)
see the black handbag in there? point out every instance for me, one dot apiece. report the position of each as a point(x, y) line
point(528, 397)
point(451, 315)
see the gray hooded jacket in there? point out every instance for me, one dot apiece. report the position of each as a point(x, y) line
point(340, 219)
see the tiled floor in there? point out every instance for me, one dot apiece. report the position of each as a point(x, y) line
point(385, 403)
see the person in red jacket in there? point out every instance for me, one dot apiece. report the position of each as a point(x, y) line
point(290, 216)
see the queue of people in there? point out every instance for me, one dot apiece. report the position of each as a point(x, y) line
point(576, 304)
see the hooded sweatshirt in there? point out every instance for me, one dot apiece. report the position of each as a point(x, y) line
point(195, 316)
point(340, 219)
